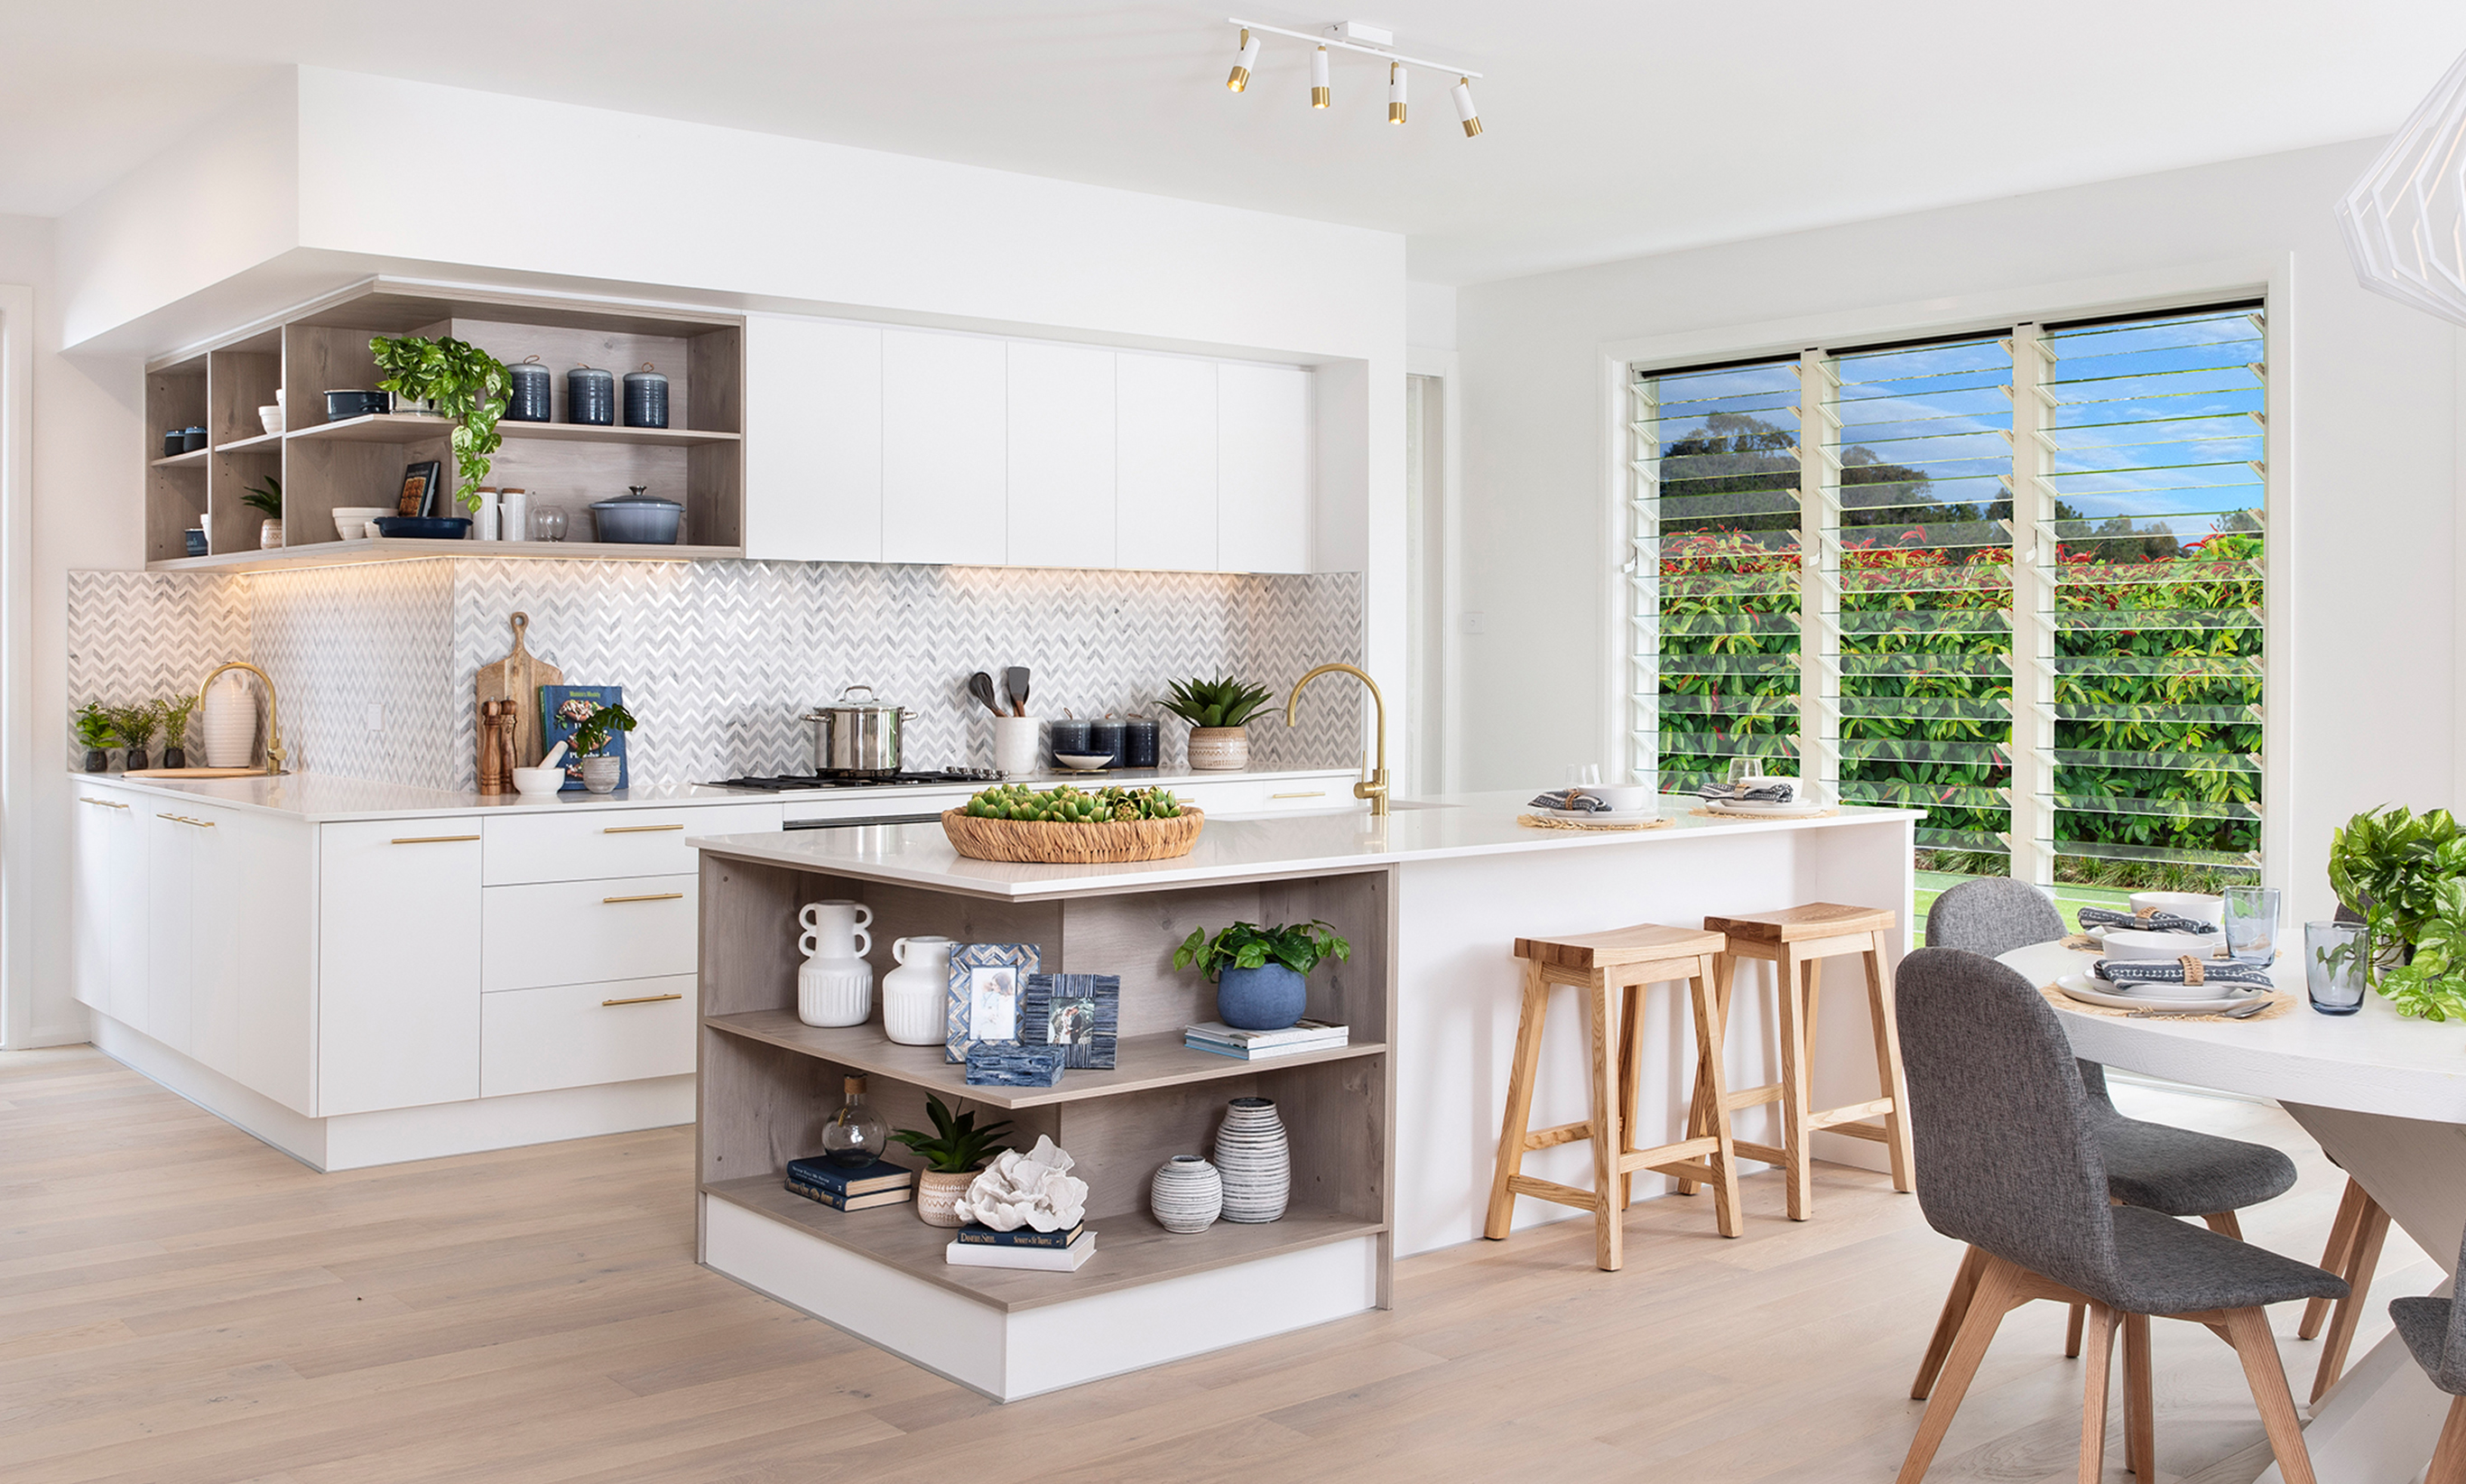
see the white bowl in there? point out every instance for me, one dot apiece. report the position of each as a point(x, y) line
point(271, 415)
point(2132, 943)
point(1621, 798)
point(534, 782)
point(1084, 762)
point(351, 521)
point(2192, 906)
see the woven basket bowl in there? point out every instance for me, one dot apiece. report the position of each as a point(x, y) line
point(1038, 842)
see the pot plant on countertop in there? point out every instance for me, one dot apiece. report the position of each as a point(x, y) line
point(953, 1152)
point(1217, 711)
point(95, 735)
point(1261, 974)
point(175, 713)
point(462, 382)
point(134, 725)
point(601, 768)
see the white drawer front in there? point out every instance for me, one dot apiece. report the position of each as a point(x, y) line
point(581, 1035)
point(1304, 794)
point(590, 844)
point(583, 932)
point(1227, 797)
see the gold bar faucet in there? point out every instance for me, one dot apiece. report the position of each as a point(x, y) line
point(274, 753)
point(1374, 787)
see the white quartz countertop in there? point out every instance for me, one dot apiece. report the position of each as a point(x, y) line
point(1248, 849)
point(318, 796)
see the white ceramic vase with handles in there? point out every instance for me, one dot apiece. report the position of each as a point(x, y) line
point(226, 729)
point(835, 986)
point(915, 996)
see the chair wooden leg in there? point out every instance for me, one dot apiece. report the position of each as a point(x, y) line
point(1997, 1283)
point(1630, 1082)
point(2225, 1225)
point(1797, 1011)
point(1609, 1253)
point(2449, 1456)
point(2099, 1356)
point(2334, 1256)
point(1888, 1066)
point(1709, 1030)
point(2072, 1332)
point(1518, 1119)
point(1947, 1324)
point(1699, 1107)
point(2372, 1228)
point(2140, 1400)
point(2248, 1331)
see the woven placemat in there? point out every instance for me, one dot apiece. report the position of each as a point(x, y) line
point(2280, 1003)
point(1714, 814)
point(1538, 821)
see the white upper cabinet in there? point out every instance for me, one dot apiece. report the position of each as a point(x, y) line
point(944, 428)
point(813, 448)
point(1165, 447)
point(1060, 456)
point(1263, 468)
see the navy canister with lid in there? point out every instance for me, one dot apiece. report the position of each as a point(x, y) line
point(1105, 737)
point(590, 396)
point(1139, 742)
point(526, 397)
point(646, 398)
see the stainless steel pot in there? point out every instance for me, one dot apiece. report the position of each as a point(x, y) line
point(856, 736)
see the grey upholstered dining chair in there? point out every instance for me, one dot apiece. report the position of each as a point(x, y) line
point(2009, 1162)
point(2434, 1330)
point(2175, 1171)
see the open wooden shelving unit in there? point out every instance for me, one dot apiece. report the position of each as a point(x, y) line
point(698, 460)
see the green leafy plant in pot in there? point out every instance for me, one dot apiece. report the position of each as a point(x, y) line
point(175, 713)
point(265, 497)
point(2406, 873)
point(134, 727)
point(592, 736)
point(96, 735)
point(1261, 973)
point(1217, 711)
point(954, 1151)
point(462, 382)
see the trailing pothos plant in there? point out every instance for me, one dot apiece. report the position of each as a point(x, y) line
point(464, 383)
point(2407, 874)
point(1245, 945)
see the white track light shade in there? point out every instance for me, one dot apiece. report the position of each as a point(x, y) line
point(2405, 220)
point(1241, 64)
point(1464, 107)
point(1394, 92)
point(1320, 97)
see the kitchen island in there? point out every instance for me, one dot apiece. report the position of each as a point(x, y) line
point(1393, 1135)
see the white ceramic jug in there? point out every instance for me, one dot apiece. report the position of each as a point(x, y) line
point(915, 995)
point(226, 729)
point(835, 986)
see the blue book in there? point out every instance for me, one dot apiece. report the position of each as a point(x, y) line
point(564, 708)
point(839, 1202)
point(974, 1235)
point(861, 1179)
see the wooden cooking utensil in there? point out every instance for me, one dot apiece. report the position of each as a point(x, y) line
point(518, 678)
point(1015, 685)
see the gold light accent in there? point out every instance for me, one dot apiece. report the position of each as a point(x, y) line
point(1374, 787)
point(1321, 96)
point(1462, 92)
point(1395, 104)
point(1240, 78)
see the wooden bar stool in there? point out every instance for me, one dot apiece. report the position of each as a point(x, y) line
point(1599, 965)
point(1796, 940)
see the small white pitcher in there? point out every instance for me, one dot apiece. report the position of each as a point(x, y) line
point(915, 996)
point(835, 985)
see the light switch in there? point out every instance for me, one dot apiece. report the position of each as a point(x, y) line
point(1476, 623)
point(376, 717)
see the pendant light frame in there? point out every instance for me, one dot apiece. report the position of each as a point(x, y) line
point(2405, 220)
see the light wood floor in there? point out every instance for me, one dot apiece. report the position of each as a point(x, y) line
point(180, 1303)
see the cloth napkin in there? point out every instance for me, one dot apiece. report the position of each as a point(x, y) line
point(2215, 972)
point(1574, 799)
point(1779, 792)
point(2154, 922)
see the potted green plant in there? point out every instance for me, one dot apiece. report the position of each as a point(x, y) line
point(265, 496)
point(175, 713)
point(94, 733)
point(592, 736)
point(953, 1152)
point(134, 727)
point(2406, 873)
point(1217, 711)
point(1261, 974)
point(462, 382)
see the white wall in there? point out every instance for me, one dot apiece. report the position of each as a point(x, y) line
point(2372, 440)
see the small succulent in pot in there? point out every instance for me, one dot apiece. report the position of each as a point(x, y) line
point(1261, 972)
point(265, 497)
point(1217, 711)
point(94, 733)
point(175, 713)
point(953, 1152)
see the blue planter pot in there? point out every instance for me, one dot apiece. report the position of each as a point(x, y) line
point(1267, 997)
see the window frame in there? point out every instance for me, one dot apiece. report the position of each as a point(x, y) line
point(2267, 278)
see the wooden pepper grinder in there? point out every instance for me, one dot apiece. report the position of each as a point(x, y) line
point(496, 746)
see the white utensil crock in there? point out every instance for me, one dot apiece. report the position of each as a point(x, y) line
point(915, 996)
point(1018, 744)
point(835, 986)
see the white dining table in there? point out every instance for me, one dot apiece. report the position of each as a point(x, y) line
point(2386, 1098)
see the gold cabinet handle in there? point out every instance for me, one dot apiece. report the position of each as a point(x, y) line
point(1317, 793)
point(182, 819)
point(655, 897)
point(642, 999)
point(106, 802)
point(638, 829)
point(430, 839)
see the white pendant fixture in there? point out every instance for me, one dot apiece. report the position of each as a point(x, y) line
point(1320, 95)
point(1240, 81)
point(2406, 218)
point(1463, 93)
point(1353, 36)
point(1394, 92)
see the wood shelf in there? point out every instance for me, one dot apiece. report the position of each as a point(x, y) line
point(348, 553)
point(262, 443)
point(1131, 1249)
point(375, 428)
point(1144, 1061)
point(412, 427)
point(193, 458)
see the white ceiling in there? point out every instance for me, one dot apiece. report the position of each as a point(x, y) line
point(1613, 129)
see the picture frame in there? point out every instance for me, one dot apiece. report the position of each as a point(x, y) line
point(419, 493)
point(984, 989)
point(1079, 1013)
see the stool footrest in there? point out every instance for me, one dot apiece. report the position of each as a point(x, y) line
point(1769, 1092)
point(1684, 1169)
point(1564, 1133)
point(1870, 1131)
point(1850, 1112)
point(1666, 1153)
point(1552, 1190)
point(1769, 1154)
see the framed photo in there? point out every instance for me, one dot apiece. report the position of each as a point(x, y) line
point(419, 492)
point(986, 981)
point(1081, 1013)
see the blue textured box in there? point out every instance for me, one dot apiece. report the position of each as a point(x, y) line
point(993, 1064)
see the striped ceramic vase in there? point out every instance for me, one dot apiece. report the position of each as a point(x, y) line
point(1186, 1195)
point(1254, 1161)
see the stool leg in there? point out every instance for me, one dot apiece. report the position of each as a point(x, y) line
point(1795, 999)
point(1607, 1138)
point(1698, 1109)
point(1709, 1030)
point(1630, 1082)
point(1520, 1102)
point(1888, 1066)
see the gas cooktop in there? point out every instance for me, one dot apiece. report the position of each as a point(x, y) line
point(794, 782)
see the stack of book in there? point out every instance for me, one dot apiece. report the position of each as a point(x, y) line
point(1257, 1046)
point(1051, 1251)
point(844, 1190)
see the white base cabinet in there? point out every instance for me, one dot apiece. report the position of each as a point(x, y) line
point(398, 963)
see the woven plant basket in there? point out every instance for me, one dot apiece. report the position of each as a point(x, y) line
point(1038, 842)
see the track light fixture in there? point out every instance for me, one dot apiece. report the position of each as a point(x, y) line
point(1370, 41)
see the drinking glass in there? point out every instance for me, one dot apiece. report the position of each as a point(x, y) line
point(2334, 957)
point(2251, 923)
point(1743, 769)
point(1584, 775)
point(548, 524)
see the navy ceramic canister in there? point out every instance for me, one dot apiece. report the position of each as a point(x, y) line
point(1069, 736)
point(1105, 737)
point(1140, 743)
point(526, 399)
point(646, 398)
point(590, 396)
point(1268, 998)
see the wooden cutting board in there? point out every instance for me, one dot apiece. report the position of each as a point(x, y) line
point(517, 677)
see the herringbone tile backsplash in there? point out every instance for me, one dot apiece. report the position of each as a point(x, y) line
point(720, 660)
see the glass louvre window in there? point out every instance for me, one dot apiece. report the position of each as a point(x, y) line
point(1714, 571)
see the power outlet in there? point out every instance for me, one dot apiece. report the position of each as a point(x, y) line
point(1476, 623)
point(376, 718)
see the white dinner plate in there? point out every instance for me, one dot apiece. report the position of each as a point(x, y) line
point(1790, 811)
point(1603, 815)
point(2088, 991)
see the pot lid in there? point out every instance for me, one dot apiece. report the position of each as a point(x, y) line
point(638, 500)
point(855, 698)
